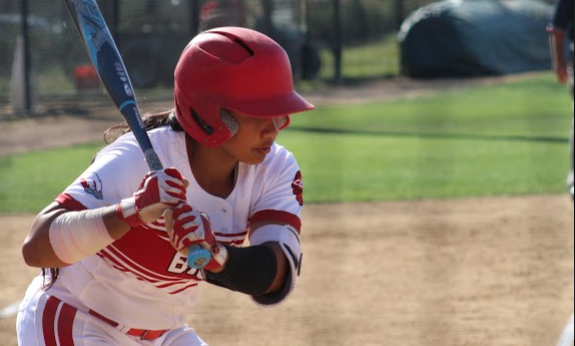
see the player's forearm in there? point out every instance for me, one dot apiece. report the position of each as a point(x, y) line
point(557, 42)
point(282, 268)
point(59, 237)
point(36, 250)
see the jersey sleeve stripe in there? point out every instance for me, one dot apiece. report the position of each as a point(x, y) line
point(277, 216)
point(231, 239)
point(69, 202)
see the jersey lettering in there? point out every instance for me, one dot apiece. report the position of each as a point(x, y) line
point(179, 265)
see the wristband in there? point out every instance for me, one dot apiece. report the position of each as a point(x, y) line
point(220, 256)
point(127, 211)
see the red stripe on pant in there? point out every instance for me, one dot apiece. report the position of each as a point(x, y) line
point(64, 323)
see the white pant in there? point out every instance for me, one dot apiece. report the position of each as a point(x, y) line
point(49, 322)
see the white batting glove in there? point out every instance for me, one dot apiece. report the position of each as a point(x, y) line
point(187, 226)
point(158, 191)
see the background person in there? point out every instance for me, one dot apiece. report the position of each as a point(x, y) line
point(560, 35)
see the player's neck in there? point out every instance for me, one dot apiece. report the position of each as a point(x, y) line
point(213, 171)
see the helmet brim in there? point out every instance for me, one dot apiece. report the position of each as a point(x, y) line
point(270, 107)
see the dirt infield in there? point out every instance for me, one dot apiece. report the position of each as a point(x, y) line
point(472, 272)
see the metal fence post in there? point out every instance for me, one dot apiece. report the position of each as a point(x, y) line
point(27, 61)
point(195, 17)
point(268, 9)
point(399, 13)
point(116, 22)
point(337, 44)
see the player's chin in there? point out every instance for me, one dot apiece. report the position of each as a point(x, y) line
point(255, 157)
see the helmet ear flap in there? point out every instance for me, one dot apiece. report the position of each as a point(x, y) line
point(229, 121)
point(206, 128)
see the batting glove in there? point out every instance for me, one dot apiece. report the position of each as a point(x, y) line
point(186, 227)
point(160, 190)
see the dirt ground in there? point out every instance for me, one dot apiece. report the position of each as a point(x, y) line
point(468, 272)
point(472, 272)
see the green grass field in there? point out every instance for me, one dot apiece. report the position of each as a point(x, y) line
point(509, 139)
point(376, 59)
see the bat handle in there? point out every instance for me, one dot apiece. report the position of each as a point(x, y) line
point(152, 159)
point(198, 257)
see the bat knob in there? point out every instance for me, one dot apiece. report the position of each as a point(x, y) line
point(198, 257)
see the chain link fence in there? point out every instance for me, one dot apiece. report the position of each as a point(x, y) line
point(326, 40)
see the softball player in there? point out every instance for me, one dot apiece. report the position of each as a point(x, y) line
point(561, 32)
point(117, 244)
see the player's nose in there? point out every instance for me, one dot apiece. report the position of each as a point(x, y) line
point(270, 129)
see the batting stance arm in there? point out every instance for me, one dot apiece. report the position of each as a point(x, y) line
point(558, 30)
point(255, 270)
point(39, 249)
point(61, 237)
point(266, 270)
point(557, 44)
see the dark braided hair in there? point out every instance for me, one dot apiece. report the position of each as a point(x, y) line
point(151, 121)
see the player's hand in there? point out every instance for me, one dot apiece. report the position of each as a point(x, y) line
point(186, 227)
point(159, 190)
point(560, 69)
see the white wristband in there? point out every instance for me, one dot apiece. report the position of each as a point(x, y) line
point(78, 235)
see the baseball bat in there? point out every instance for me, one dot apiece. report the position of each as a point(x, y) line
point(111, 70)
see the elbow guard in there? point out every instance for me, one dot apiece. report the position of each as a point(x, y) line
point(288, 239)
point(249, 270)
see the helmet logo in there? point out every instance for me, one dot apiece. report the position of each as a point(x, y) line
point(297, 187)
point(92, 184)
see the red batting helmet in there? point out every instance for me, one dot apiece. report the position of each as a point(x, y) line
point(236, 69)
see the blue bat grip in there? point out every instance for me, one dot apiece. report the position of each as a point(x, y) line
point(199, 257)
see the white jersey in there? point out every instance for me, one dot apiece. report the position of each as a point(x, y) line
point(140, 280)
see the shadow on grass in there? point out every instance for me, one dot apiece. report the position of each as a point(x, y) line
point(429, 135)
